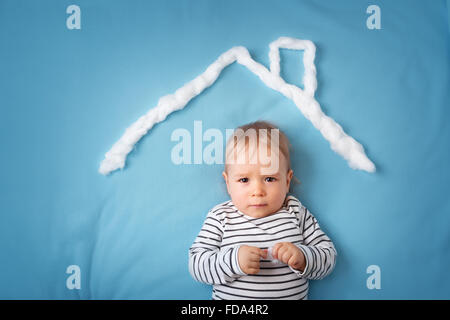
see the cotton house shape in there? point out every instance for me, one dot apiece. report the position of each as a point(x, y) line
point(340, 142)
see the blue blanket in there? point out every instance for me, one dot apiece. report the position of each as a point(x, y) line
point(72, 80)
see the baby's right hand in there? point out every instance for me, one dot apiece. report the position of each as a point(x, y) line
point(249, 257)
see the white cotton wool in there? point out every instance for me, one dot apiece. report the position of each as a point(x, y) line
point(184, 94)
point(340, 142)
point(329, 129)
point(271, 257)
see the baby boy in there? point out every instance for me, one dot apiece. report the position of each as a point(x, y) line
point(263, 243)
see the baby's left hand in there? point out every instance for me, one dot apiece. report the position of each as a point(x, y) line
point(290, 254)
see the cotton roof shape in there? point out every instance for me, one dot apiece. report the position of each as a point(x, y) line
point(340, 142)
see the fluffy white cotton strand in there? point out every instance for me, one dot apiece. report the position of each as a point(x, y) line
point(271, 257)
point(340, 142)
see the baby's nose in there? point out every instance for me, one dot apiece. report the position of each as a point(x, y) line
point(258, 190)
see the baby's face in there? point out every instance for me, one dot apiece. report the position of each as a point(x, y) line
point(255, 190)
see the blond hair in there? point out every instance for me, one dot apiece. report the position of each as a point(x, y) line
point(260, 130)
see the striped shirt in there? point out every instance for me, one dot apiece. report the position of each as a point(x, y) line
point(213, 256)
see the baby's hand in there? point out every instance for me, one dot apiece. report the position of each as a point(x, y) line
point(290, 254)
point(249, 257)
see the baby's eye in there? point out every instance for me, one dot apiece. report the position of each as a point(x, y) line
point(270, 179)
point(244, 180)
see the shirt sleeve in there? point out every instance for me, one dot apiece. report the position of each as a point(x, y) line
point(319, 251)
point(208, 262)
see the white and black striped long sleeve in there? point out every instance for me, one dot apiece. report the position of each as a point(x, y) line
point(319, 251)
point(213, 255)
point(208, 261)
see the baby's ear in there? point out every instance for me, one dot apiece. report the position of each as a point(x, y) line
point(225, 177)
point(289, 176)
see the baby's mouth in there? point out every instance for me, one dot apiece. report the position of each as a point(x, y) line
point(258, 205)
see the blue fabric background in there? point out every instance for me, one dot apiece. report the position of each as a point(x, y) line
point(67, 95)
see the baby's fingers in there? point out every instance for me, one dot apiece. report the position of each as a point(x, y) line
point(252, 267)
point(263, 253)
point(285, 256)
point(254, 256)
point(275, 250)
point(292, 261)
point(258, 253)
